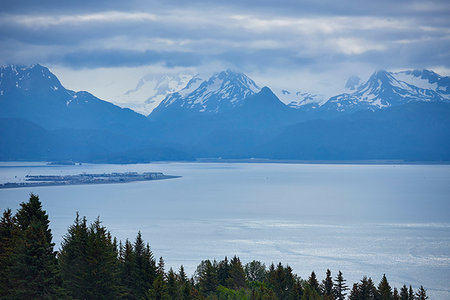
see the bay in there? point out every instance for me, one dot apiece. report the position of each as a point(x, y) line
point(360, 219)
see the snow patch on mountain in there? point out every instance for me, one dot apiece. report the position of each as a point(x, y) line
point(151, 90)
point(221, 92)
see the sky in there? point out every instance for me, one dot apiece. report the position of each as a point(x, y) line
point(105, 47)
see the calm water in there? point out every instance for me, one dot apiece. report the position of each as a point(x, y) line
point(360, 219)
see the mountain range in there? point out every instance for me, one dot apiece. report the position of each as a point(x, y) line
point(402, 116)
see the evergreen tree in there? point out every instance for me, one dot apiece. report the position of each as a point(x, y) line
point(36, 271)
point(172, 289)
point(384, 289)
point(236, 278)
point(410, 293)
point(8, 240)
point(159, 289)
point(73, 259)
point(184, 285)
point(354, 293)
point(404, 293)
point(367, 289)
point(310, 293)
point(396, 296)
point(103, 269)
point(255, 271)
point(206, 275)
point(127, 270)
point(327, 286)
point(313, 283)
point(340, 287)
point(223, 272)
point(421, 294)
point(160, 268)
point(144, 267)
point(182, 275)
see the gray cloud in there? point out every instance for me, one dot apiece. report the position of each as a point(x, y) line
point(248, 34)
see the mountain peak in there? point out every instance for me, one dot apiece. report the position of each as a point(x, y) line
point(23, 79)
point(221, 92)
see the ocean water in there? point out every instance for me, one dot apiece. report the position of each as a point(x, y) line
point(360, 219)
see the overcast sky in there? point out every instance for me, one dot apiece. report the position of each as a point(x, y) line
point(97, 45)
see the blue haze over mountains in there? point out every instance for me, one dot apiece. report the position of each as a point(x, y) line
point(401, 116)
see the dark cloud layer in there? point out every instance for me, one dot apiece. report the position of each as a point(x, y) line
point(252, 34)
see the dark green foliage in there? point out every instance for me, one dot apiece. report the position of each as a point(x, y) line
point(103, 268)
point(160, 268)
point(8, 234)
point(340, 287)
point(255, 271)
point(354, 294)
point(327, 286)
point(421, 294)
point(282, 281)
point(127, 270)
point(384, 289)
point(313, 283)
point(395, 295)
point(310, 293)
point(206, 275)
point(404, 293)
point(144, 267)
point(73, 259)
point(172, 288)
point(35, 269)
point(236, 278)
point(223, 272)
point(410, 293)
point(159, 289)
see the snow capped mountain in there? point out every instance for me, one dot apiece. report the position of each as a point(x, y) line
point(221, 92)
point(35, 94)
point(383, 89)
point(300, 100)
point(151, 90)
point(428, 80)
point(15, 79)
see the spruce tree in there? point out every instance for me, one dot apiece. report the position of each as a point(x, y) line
point(73, 259)
point(255, 271)
point(355, 293)
point(421, 294)
point(159, 289)
point(396, 296)
point(384, 289)
point(404, 293)
point(236, 278)
point(410, 293)
point(8, 240)
point(327, 285)
point(223, 272)
point(127, 270)
point(172, 288)
point(340, 288)
point(160, 268)
point(103, 269)
point(36, 271)
point(313, 283)
point(144, 271)
point(206, 275)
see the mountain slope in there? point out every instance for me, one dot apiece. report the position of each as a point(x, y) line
point(33, 93)
point(381, 90)
point(220, 93)
point(413, 131)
